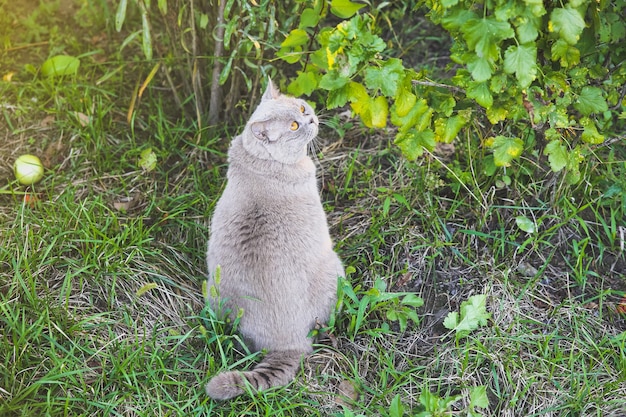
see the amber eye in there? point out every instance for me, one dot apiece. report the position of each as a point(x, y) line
point(294, 126)
point(301, 109)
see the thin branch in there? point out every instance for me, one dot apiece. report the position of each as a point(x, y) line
point(214, 103)
point(433, 84)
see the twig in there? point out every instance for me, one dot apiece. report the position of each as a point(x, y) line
point(30, 45)
point(214, 103)
point(433, 84)
point(196, 82)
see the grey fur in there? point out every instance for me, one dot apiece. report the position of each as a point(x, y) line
point(269, 236)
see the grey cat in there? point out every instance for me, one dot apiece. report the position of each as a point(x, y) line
point(270, 240)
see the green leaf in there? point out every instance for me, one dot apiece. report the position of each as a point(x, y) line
point(409, 120)
point(412, 300)
point(497, 114)
point(358, 97)
point(204, 21)
point(484, 35)
point(60, 65)
point(590, 134)
point(296, 37)
point(405, 101)
point(478, 397)
point(522, 61)
point(446, 129)
point(568, 23)
point(146, 37)
point(451, 320)
point(413, 143)
point(396, 409)
point(162, 5)
point(557, 155)
point(387, 77)
point(333, 80)
point(338, 98)
point(120, 14)
point(567, 54)
point(505, 149)
point(526, 224)
point(344, 9)
point(147, 160)
point(305, 83)
point(528, 31)
point(590, 101)
point(480, 68)
point(480, 92)
point(309, 18)
point(473, 314)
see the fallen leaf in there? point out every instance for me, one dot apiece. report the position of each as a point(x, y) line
point(404, 279)
point(621, 306)
point(127, 203)
point(8, 76)
point(31, 200)
point(346, 393)
point(83, 119)
point(47, 121)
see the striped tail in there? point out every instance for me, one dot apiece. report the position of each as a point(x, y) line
point(276, 369)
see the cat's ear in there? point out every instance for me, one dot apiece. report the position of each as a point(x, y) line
point(271, 92)
point(260, 130)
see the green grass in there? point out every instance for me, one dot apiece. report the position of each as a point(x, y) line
point(101, 309)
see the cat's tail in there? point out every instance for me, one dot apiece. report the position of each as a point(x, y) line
point(276, 369)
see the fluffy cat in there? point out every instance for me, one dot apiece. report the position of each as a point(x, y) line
point(270, 239)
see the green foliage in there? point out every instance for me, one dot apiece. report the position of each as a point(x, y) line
point(373, 306)
point(526, 63)
point(473, 314)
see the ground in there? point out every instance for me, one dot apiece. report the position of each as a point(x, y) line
point(101, 263)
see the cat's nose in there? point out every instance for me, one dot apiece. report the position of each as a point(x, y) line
point(313, 120)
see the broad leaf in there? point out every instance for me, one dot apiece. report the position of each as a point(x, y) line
point(473, 314)
point(568, 23)
point(557, 155)
point(296, 37)
point(480, 92)
point(566, 54)
point(480, 68)
point(309, 18)
point(446, 129)
point(333, 80)
point(590, 101)
point(412, 117)
point(505, 149)
point(60, 65)
point(484, 35)
point(373, 111)
point(522, 61)
point(405, 101)
point(413, 143)
point(525, 224)
point(591, 134)
point(344, 9)
point(304, 84)
point(387, 77)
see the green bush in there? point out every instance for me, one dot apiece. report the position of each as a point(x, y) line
point(549, 76)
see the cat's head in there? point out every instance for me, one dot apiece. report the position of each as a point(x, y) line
point(280, 128)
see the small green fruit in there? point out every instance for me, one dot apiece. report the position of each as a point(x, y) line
point(28, 169)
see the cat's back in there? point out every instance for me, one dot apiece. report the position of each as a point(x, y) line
point(265, 207)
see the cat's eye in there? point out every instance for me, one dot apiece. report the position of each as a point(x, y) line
point(294, 126)
point(301, 108)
